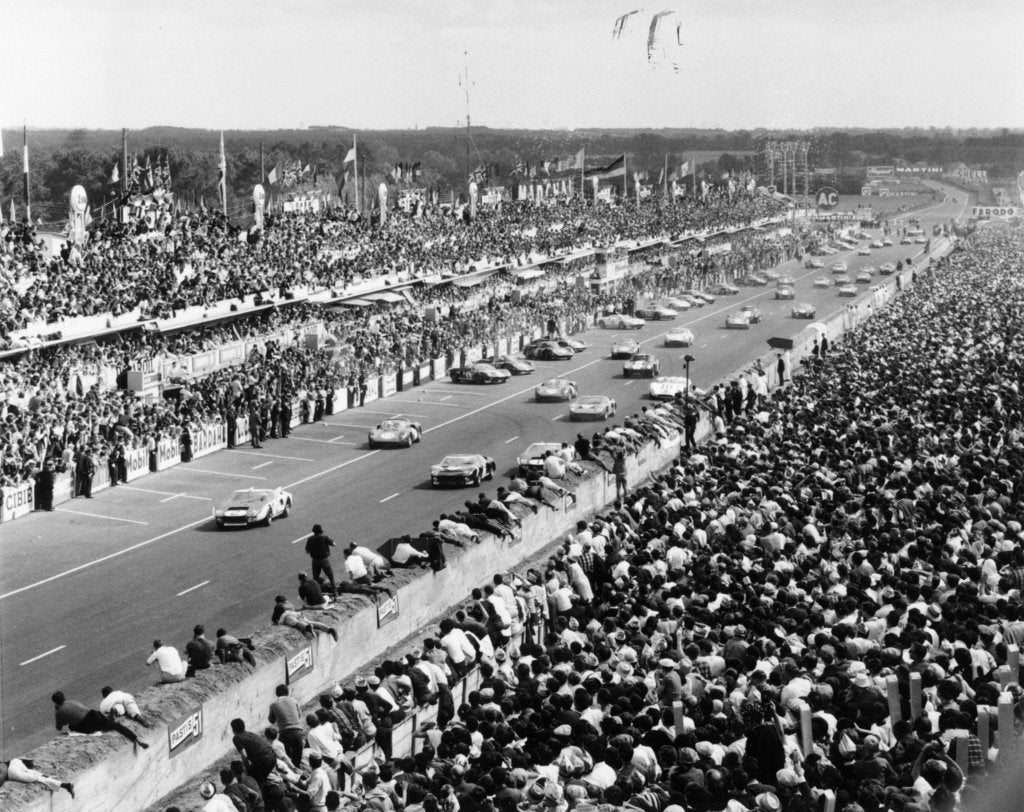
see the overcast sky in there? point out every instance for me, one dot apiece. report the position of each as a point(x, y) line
point(243, 64)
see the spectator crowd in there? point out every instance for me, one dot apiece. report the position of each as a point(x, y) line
point(861, 523)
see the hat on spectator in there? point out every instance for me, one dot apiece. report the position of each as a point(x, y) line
point(768, 802)
point(563, 730)
point(667, 662)
point(207, 789)
point(624, 669)
point(361, 682)
point(373, 681)
point(500, 655)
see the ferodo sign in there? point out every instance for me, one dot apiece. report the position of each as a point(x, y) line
point(996, 211)
point(826, 198)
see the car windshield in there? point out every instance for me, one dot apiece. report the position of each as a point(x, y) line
point(553, 382)
point(591, 400)
point(392, 425)
point(458, 459)
point(483, 367)
point(248, 496)
point(640, 356)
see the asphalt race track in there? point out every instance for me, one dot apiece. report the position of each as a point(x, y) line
point(85, 589)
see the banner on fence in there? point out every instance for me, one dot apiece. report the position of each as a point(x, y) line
point(387, 609)
point(388, 385)
point(168, 453)
point(17, 501)
point(136, 462)
point(211, 437)
point(372, 389)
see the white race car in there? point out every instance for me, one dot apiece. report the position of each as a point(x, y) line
point(625, 347)
point(592, 407)
point(620, 321)
point(822, 282)
point(641, 364)
point(252, 506)
point(667, 386)
point(679, 337)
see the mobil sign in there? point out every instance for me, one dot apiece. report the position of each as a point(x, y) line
point(826, 198)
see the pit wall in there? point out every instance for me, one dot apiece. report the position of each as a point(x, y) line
point(109, 776)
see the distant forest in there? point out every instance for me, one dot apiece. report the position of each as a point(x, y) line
point(59, 159)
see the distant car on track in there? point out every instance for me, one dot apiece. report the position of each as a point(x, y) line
point(737, 321)
point(571, 343)
point(620, 321)
point(848, 290)
point(814, 263)
point(679, 337)
point(676, 303)
point(642, 364)
point(838, 267)
point(803, 310)
point(625, 347)
point(822, 282)
point(694, 301)
point(886, 241)
point(784, 281)
point(864, 276)
point(704, 296)
point(887, 269)
point(843, 279)
point(397, 431)
point(785, 292)
point(532, 457)
point(462, 469)
point(478, 373)
point(753, 313)
point(555, 389)
point(752, 280)
point(907, 241)
point(666, 387)
point(655, 313)
point(877, 244)
point(723, 290)
point(544, 350)
point(864, 251)
point(511, 364)
point(245, 508)
point(592, 407)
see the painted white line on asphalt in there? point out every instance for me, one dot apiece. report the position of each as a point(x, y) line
point(300, 538)
point(101, 560)
point(263, 464)
point(332, 469)
point(275, 456)
point(171, 498)
point(510, 439)
point(191, 589)
point(315, 440)
point(223, 473)
point(99, 516)
point(450, 393)
point(44, 654)
point(628, 383)
point(351, 426)
point(557, 417)
point(422, 402)
point(388, 498)
point(165, 493)
point(335, 439)
point(446, 397)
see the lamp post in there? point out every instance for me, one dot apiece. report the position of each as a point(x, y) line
point(687, 359)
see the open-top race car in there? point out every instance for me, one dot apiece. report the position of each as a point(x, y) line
point(396, 431)
point(555, 389)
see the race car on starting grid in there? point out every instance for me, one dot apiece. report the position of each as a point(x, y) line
point(250, 506)
point(397, 432)
point(478, 373)
point(462, 469)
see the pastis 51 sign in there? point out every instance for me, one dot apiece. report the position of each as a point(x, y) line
point(185, 732)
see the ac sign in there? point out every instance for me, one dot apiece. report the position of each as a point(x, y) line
point(827, 198)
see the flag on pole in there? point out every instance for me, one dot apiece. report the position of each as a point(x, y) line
point(222, 180)
point(28, 201)
point(351, 156)
point(115, 175)
point(272, 175)
point(577, 161)
point(684, 170)
point(616, 169)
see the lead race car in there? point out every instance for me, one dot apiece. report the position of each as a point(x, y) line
point(462, 469)
point(641, 364)
point(250, 506)
point(625, 347)
point(592, 407)
point(397, 432)
point(555, 389)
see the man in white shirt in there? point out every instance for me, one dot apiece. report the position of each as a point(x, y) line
point(318, 785)
point(323, 737)
point(457, 646)
point(172, 669)
point(121, 703)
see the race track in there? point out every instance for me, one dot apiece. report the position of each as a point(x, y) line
point(85, 589)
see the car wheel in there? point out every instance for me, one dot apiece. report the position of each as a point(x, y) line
point(220, 524)
point(287, 510)
point(268, 519)
point(408, 441)
point(475, 481)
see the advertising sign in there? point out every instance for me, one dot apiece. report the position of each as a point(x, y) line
point(168, 453)
point(298, 662)
point(17, 501)
point(996, 211)
point(881, 171)
point(185, 732)
point(387, 609)
point(826, 198)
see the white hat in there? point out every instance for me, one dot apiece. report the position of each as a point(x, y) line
point(207, 789)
